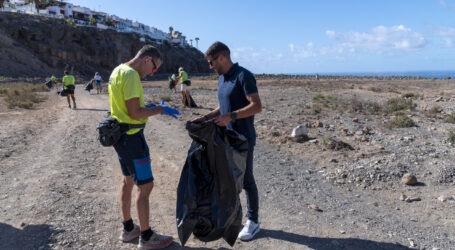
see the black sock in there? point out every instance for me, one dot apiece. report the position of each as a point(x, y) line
point(128, 225)
point(145, 235)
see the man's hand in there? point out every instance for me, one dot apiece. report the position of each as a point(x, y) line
point(223, 120)
point(169, 111)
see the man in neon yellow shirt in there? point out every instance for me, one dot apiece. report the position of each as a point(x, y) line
point(68, 86)
point(184, 87)
point(127, 106)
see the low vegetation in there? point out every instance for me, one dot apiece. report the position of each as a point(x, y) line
point(451, 138)
point(400, 122)
point(451, 118)
point(22, 95)
point(165, 98)
point(398, 104)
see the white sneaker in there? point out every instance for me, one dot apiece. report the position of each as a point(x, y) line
point(156, 241)
point(250, 229)
point(129, 236)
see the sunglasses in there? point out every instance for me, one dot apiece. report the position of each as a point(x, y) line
point(213, 59)
point(154, 66)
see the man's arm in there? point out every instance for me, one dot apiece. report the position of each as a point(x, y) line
point(253, 108)
point(208, 116)
point(135, 110)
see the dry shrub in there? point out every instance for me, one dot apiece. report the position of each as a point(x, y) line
point(375, 89)
point(409, 95)
point(398, 104)
point(401, 122)
point(451, 118)
point(22, 95)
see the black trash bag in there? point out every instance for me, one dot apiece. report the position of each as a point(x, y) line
point(62, 93)
point(192, 102)
point(208, 203)
point(89, 86)
point(49, 83)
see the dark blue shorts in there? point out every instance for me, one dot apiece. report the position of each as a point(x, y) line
point(134, 157)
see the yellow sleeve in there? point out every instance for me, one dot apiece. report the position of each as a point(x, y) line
point(132, 87)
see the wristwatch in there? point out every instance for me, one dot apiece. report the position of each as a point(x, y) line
point(233, 116)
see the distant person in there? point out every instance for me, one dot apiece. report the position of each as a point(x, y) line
point(238, 103)
point(68, 86)
point(127, 106)
point(54, 81)
point(97, 78)
point(184, 87)
point(316, 77)
point(172, 83)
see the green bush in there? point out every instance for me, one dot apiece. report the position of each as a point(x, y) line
point(22, 95)
point(401, 122)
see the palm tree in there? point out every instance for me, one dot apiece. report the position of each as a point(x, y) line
point(170, 30)
point(197, 42)
point(191, 41)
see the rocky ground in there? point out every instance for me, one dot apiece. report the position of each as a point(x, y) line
point(339, 187)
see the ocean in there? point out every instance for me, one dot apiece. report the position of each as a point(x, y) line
point(428, 74)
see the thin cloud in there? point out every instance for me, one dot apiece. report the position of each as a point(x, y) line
point(380, 39)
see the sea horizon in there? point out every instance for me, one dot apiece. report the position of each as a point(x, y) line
point(441, 74)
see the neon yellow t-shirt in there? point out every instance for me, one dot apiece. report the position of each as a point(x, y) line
point(125, 84)
point(184, 76)
point(53, 78)
point(68, 80)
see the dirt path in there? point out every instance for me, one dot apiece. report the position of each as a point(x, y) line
point(59, 190)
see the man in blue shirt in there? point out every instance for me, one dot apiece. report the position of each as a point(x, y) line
point(238, 103)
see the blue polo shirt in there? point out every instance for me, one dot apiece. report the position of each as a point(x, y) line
point(233, 87)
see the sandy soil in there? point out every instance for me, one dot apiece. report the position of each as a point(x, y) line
point(59, 186)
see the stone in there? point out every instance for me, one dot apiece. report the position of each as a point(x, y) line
point(298, 131)
point(380, 147)
point(403, 197)
point(355, 119)
point(409, 200)
point(315, 208)
point(409, 179)
point(444, 198)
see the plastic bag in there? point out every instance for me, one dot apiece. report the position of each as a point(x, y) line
point(208, 203)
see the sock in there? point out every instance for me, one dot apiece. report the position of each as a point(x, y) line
point(145, 235)
point(128, 225)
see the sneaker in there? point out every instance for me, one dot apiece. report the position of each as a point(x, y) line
point(129, 236)
point(250, 229)
point(69, 106)
point(156, 241)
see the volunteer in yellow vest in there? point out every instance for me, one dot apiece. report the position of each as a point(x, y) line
point(127, 106)
point(184, 87)
point(54, 80)
point(68, 86)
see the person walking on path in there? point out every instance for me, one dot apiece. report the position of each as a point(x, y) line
point(127, 106)
point(239, 101)
point(68, 86)
point(184, 87)
point(97, 78)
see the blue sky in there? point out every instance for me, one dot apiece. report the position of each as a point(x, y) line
point(308, 36)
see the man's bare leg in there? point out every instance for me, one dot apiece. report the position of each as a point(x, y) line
point(142, 204)
point(74, 100)
point(125, 197)
point(68, 99)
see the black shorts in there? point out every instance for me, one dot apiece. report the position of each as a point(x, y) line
point(69, 91)
point(133, 154)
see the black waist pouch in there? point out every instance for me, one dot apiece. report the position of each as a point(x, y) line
point(110, 130)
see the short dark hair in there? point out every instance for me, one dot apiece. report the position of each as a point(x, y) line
point(216, 49)
point(149, 50)
point(66, 72)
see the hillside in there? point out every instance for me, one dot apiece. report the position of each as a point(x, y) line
point(39, 46)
